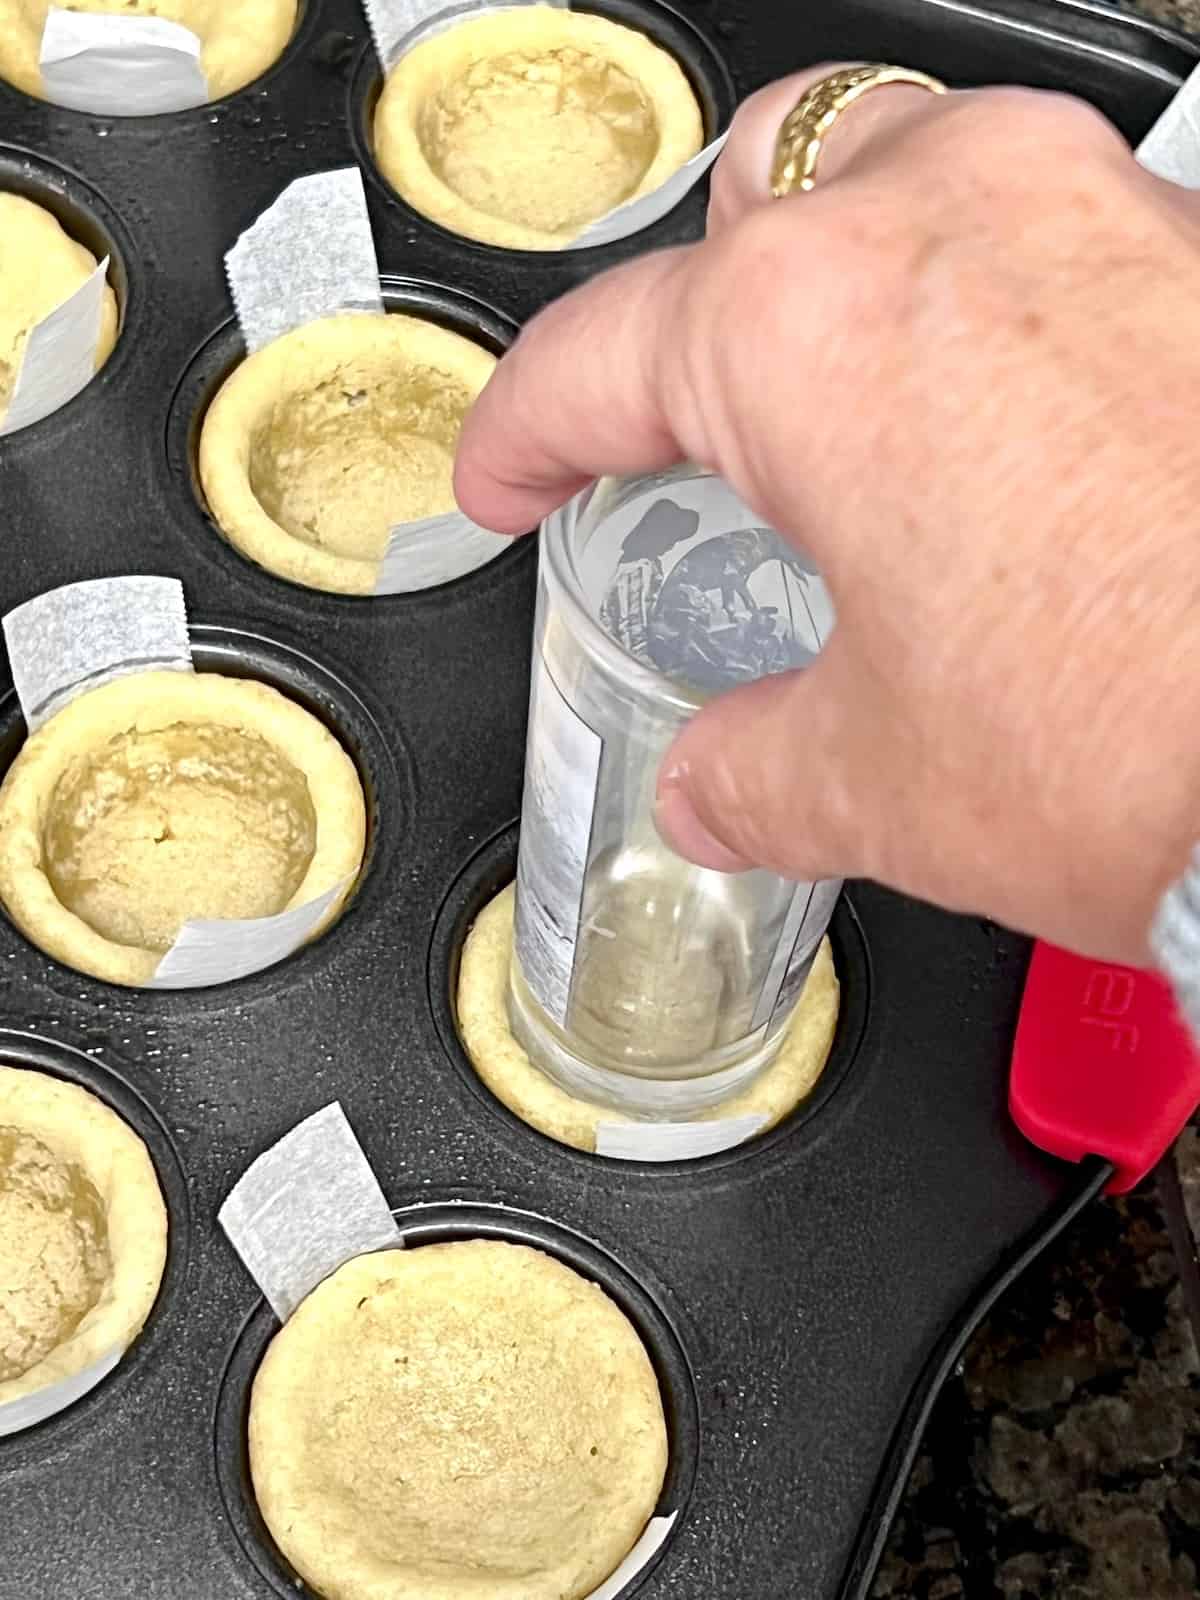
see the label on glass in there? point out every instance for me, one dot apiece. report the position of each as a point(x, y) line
point(817, 901)
point(561, 772)
point(787, 960)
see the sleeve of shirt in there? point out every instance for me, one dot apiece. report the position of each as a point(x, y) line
point(1175, 941)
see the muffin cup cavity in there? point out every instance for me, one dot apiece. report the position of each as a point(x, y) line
point(75, 1396)
point(81, 211)
point(89, 221)
point(440, 1223)
point(282, 516)
point(160, 803)
point(490, 871)
point(435, 167)
point(326, 440)
point(332, 704)
point(240, 42)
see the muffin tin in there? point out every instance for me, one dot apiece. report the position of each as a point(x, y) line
point(802, 1296)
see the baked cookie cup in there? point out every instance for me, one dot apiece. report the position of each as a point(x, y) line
point(239, 39)
point(320, 443)
point(40, 267)
point(520, 127)
point(460, 1421)
point(505, 1067)
point(164, 797)
point(83, 1232)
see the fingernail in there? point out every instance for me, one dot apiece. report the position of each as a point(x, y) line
point(682, 829)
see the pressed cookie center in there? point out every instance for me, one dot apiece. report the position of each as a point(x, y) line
point(462, 1391)
point(550, 139)
point(54, 1258)
point(196, 820)
point(460, 1432)
point(339, 464)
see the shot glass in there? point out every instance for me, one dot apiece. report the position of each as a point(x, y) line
point(638, 980)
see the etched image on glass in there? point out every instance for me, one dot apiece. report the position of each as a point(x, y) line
point(712, 609)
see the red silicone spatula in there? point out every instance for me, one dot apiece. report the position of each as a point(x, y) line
point(1102, 1064)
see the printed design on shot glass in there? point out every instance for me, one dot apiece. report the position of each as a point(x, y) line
point(713, 609)
point(640, 981)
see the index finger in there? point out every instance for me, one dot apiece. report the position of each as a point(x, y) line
point(578, 396)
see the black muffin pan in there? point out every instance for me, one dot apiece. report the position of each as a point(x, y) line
point(803, 1296)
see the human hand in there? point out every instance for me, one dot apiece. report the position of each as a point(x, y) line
point(962, 374)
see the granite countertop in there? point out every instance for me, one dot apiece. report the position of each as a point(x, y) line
point(1063, 1463)
point(1064, 1460)
point(1183, 14)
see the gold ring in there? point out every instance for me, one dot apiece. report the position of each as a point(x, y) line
point(798, 147)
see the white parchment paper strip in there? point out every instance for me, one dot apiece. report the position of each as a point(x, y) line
point(59, 355)
point(309, 255)
point(120, 66)
point(637, 214)
point(643, 1552)
point(75, 638)
point(307, 1205)
point(1171, 149)
point(55, 1397)
point(675, 1141)
point(435, 550)
point(397, 25)
point(207, 952)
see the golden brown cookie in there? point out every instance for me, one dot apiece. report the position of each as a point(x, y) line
point(40, 267)
point(464, 1421)
point(83, 1232)
point(521, 127)
point(319, 443)
point(163, 797)
point(239, 39)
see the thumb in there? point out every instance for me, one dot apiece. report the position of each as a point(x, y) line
point(761, 778)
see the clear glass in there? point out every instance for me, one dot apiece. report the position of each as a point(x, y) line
point(637, 979)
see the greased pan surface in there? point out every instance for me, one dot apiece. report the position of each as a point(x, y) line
point(793, 1292)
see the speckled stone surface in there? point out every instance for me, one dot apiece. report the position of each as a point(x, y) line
point(1064, 1462)
point(1179, 13)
